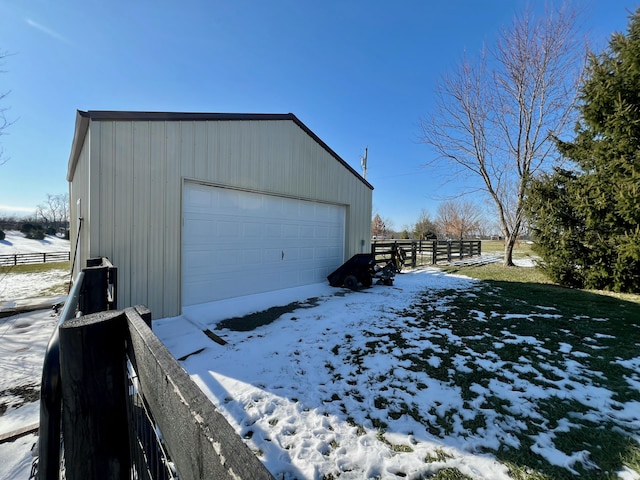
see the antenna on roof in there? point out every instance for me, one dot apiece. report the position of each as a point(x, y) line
point(363, 163)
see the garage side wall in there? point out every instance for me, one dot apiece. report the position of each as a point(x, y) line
point(137, 172)
point(79, 204)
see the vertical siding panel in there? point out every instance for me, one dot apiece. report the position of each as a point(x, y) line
point(244, 142)
point(157, 228)
point(288, 153)
point(229, 169)
point(201, 163)
point(264, 152)
point(91, 205)
point(256, 154)
point(213, 151)
point(186, 145)
point(173, 215)
point(105, 196)
point(312, 159)
point(124, 208)
point(79, 189)
point(142, 214)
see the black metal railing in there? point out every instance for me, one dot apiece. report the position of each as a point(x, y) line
point(149, 457)
point(101, 276)
point(47, 465)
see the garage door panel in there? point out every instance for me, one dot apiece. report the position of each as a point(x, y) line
point(249, 203)
point(198, 199)
point(272, 255)
point(233, 242)
point(307, 232)
point(198, 229)
point(291, 231)
point(307, 252)
point(223, 257)
point(272, 230)
point(293, 255)
point(252, 231)
point(252, 256)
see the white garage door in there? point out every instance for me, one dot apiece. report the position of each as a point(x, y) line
point(238, 243)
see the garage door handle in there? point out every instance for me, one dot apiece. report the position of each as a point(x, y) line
point(282, 254)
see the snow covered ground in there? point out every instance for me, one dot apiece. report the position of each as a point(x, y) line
point(23, 340)
point(331, 389)
point(14, 286)
point(328, 389)
point(306, 414)
point(16, 242)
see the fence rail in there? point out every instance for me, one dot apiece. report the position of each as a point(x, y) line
point(31, 258)
point(425, 252)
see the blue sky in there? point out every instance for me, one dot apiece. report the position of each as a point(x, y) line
point(358, 73)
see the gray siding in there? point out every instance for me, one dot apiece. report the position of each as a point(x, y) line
point(136, 171)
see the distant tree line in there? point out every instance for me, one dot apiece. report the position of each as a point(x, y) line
point(31, 227)
point(49, 218)
point(457, 219)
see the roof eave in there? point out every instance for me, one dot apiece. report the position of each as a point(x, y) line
point(79, 135)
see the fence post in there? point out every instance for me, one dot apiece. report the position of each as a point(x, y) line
point(414, 254)
point(434, 252)
point(100, 277)
point(94, 410)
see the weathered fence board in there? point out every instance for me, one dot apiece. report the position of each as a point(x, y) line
point(200, 441)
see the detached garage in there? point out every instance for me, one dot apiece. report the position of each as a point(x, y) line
point(198, 207)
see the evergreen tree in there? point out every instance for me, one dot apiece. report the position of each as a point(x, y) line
point(587, 221)
point(424, 228)
point(557, 227)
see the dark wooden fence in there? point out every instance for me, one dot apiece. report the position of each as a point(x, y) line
point(425, 252)
point(98, 353)
point(30, 258)
point(128, 405)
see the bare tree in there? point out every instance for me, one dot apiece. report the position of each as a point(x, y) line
point(4, 122)
point(378, 227)
point(55, 211)
point(496, 118)
point(458, 218)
